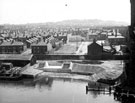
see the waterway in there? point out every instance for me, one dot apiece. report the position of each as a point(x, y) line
point(50, 90)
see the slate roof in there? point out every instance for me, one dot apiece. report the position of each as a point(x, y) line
point(39, 44)
point(15, 57)
point(11, 44)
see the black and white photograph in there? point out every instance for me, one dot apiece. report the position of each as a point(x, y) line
point(67, 51)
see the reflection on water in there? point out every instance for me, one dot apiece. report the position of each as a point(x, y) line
point(50, 90)
point(124, 95)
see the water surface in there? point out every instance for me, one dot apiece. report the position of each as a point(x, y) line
point(49, 90)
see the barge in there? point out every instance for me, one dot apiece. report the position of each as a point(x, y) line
point(95, 86)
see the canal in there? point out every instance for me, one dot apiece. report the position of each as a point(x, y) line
point(50, 90)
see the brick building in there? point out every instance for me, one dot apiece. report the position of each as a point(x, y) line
point(41, 48)
point(13, 47)
point(117, 40)
point(91, 36)
point(94, 49)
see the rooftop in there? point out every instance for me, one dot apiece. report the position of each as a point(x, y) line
point(113, 37)
point(92, 33)
point(39, 44)
point(15, 57)
point(32, 40)
point(11, 43)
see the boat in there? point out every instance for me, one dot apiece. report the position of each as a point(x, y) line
point(95, 89)
point(95, 86)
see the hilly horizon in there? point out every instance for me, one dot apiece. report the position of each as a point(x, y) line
point(79, 22)
point(90, 22)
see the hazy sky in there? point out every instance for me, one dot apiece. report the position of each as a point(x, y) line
point(38, 11)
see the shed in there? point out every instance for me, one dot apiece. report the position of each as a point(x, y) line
point(17, 59)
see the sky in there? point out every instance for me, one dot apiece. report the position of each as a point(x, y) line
point(40, 11)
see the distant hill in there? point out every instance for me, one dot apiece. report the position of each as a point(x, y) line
point(91, 22)
point(76, 22)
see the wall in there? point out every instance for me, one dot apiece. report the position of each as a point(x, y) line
point(81, 57)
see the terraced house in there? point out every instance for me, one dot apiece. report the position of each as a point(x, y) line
point(13, 47)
